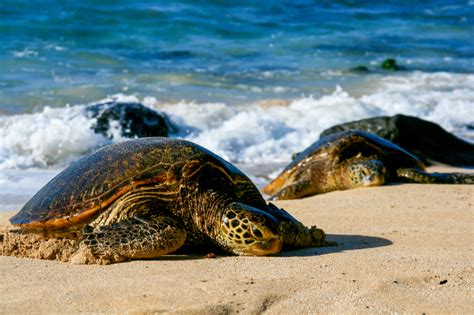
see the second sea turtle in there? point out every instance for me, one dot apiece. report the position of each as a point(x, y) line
point(351, 159)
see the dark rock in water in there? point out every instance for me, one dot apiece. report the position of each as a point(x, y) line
point(427, 140)
point(390, 64)
point(360, 69)
point(134, 120)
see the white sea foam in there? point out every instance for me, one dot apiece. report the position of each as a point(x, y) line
point(52, 136)
point(251, 134)
point(25, 53)
point(248, 134)
point(445, 98)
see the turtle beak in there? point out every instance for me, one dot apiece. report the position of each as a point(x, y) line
point(268, 247)
point(372, 180)
point(264, 247)
point(367, 179)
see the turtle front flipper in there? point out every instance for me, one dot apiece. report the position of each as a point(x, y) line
point(295, 234)
point(133, 238)
point(414, 175)
point(298, 189)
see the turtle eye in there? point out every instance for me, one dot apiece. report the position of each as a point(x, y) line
point(256, 232)
point(231, 215)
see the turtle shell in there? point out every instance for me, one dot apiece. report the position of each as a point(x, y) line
point(332, 150)
point(89, 185)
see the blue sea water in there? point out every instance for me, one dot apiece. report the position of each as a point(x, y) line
point(54, 53)
point(254, 81)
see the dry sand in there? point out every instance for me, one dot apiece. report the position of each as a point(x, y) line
point(403, 249)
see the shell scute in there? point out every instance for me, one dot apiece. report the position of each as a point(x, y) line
point(341, 145)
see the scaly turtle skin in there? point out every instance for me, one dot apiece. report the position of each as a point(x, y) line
point(148, 197)
point(352, 159)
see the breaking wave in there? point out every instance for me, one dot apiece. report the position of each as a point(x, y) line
point(258, 133)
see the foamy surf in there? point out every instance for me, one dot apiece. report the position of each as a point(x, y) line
point(247, 134)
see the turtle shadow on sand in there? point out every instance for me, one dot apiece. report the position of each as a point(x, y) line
point(345, 242)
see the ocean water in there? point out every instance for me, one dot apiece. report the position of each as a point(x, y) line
point(254, 82)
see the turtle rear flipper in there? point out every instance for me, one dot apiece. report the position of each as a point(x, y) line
point(133, 238)
point(414, 175)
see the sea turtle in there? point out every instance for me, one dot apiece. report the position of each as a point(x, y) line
point(351, 159)
point(148, 197)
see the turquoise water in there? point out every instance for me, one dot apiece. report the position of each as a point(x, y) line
point(73, 52)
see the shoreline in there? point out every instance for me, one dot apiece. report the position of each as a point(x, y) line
point(403, 248)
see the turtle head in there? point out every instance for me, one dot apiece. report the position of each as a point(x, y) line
point(366, 173)
point(245, 230)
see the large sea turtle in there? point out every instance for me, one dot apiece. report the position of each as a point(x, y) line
point(352, 159)
point(148, 197)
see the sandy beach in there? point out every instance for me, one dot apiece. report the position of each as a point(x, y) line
point(254, 83)
point(403, 248)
